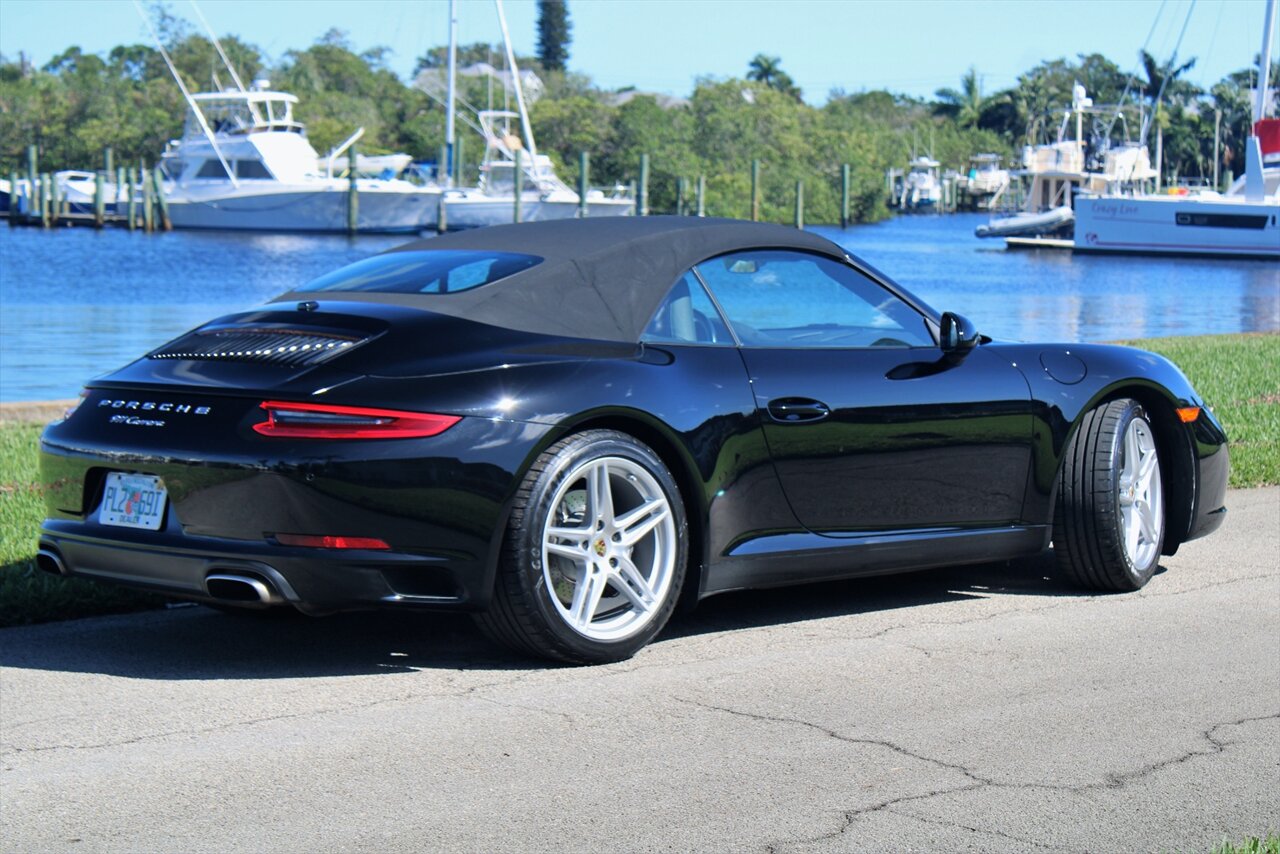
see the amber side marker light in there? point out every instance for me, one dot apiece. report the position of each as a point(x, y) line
point(290, 420)
point(1187, 414)
point(326, 541)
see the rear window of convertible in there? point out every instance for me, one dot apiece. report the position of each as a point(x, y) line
point(442, 271)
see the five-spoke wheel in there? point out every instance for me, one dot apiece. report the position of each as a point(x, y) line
point(595, 552)
point(1109, 524)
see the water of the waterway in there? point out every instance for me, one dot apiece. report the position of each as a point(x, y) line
point(75, 302)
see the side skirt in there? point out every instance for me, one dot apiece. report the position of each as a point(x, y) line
point(797, 558)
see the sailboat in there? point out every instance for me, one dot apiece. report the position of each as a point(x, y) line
point(512, 165)
point(244, 162)
point(1243, 222)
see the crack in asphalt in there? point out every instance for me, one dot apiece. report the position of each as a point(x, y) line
point(1217, 745)
point(7, 750)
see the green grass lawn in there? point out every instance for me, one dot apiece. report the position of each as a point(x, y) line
point(1238, 375)
point(28, 595)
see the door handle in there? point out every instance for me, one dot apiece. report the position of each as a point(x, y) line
point(797, 410)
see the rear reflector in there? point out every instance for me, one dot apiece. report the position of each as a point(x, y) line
point(288, 420)
point(1187, 414)
point(325, 541)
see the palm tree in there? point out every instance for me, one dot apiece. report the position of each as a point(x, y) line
point(768, 70)
point(965, 105)
point(1164, 78)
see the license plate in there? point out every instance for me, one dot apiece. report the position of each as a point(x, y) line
point(133, 501)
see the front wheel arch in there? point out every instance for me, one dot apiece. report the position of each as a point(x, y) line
point(1177, 454)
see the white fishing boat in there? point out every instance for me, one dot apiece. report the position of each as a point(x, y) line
point(1244, 221)
point(921, 188)
point(986, 182)
point(244, 162)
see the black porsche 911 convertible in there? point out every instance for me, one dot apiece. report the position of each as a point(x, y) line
point(567, 428)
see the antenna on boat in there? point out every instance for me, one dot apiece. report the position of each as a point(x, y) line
point(515, 79)
point(218, 46)
point(191, 102)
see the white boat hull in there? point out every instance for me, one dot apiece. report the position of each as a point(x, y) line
point(304, 209)
point(1178, 225)
point(479, 211)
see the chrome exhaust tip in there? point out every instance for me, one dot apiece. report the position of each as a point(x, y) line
point(48, 560)
point(241, 589)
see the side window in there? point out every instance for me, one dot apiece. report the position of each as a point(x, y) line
point(212, 169)
point(778, 298)
point(687, 316)
point(251, 169)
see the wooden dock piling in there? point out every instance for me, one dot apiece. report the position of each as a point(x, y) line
point(132, 197)
point(702, 195)
point(48, 199)
point(353, 193)
point(682, 190)
point(755, 190)
point(584, 170)
point(799, 204)
point(517, 208)
point(13, 198)
point(442, 217)
point(148, 200)
point(99, 199)
point(844, 195)
point(33, 187)
point(162, 203)
point(642, 189)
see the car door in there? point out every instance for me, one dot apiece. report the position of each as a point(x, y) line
point(870, 426)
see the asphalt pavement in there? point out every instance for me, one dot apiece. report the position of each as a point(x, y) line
point(972, 708)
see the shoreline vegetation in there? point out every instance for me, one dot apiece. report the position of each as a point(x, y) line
point(1235, 374)
point(79, 104)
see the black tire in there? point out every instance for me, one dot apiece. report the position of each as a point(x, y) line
point(1094, 539)
point(529, 612)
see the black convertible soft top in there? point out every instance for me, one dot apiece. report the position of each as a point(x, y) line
point(600, 278)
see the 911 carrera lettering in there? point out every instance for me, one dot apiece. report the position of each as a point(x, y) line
point(135, 421)
point(149, 406)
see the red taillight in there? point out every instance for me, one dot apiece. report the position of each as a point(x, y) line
point(288, 420)
point(326, 541)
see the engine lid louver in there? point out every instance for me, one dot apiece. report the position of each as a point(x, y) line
point(264, 344)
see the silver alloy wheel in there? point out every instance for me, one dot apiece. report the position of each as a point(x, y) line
point(609, 548)
point(1141, 495)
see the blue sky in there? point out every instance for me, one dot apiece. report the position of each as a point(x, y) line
point(911, 46)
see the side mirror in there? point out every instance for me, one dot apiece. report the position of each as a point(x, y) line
point(956, 335)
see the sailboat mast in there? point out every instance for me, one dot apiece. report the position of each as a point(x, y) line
point(1264, 61)
point(515, 81)
point(449, 140)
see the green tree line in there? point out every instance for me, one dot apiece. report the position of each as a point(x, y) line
point(78, 103)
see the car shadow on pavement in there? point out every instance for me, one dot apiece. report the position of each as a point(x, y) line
point(193, 642)
point(1032, 576)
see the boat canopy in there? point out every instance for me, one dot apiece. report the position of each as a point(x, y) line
point(236, 112)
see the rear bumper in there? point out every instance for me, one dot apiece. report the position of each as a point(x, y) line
point(438, 502)
point(315, 581)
